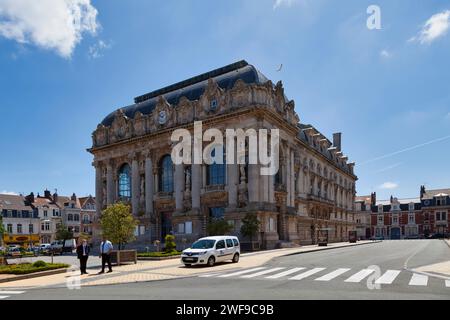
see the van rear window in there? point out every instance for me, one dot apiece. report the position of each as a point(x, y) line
point(236, 243)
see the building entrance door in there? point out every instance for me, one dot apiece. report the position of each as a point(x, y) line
point(395, 234)
point(166, 224)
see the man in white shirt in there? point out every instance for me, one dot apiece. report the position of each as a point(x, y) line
point(105, 253)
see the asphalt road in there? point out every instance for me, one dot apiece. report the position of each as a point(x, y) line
point(319, 275)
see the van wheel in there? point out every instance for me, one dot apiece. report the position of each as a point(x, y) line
point(211, 261)
point(236, 258)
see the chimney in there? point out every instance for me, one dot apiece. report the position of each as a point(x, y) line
point(392, 198)
point(337, 141)
point(422, 191)
point(373, 198)
point(47, 194)
point(55, 197)
point(74, 197)
point(30, 198)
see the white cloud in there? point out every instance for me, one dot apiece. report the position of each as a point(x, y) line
point(287, 3)
point(385, 54)
point(436, 27)
point(49, 24)
point(389, 185)
point(11, 193)
point(97, 49)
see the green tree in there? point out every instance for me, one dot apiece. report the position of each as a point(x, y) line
point(250, 226)
point(118, 224)
point(2, 230)
point(63, 233)
point(218, 227)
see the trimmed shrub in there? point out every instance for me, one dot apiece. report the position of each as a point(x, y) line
point(170, 243)
point(39, 264)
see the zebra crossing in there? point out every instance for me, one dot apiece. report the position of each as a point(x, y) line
point(322, 274)
point(7, 294)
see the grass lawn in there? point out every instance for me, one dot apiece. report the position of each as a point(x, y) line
point(158, 254)
point(27, 268)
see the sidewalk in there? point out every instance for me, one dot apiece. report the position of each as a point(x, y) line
point(163, 270)
point(439, 269)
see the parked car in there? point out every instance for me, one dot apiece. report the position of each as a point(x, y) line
point(14, 252)
point(56, 247)
point(211, 250)
point(69, 245)
point(44, 248)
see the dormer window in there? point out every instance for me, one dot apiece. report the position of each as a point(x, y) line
point(213, 105)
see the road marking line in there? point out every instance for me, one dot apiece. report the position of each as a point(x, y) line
point(418, 280)
point(388, 277)
point(447, 283)
point(240, 272)
point(334, 274)
point(285, 273)
point(260, 273)
point(11, 292)
point(208, 275)
point(307, 274)
point(3, 297)
point(357, 277)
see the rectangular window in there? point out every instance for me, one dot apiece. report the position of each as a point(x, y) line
point(30, 228)
point(9, 228)
point(271, 225)
point(411, 218)
point(181, 228)
point(438, 216)
point(19, 228)
point(45, 213)
point(217, 213)
point(188, 227)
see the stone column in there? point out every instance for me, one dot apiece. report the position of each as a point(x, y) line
point(110, 186)
point(272, 188)
point(253, 182)
point(288, 176)
point(232, 184)
point(292, 174)
point(196, 186)
point(179, 186)
point(149, 189)
point(98, 188)
point(135, 186)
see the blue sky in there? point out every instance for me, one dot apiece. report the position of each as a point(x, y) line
point(387, 90)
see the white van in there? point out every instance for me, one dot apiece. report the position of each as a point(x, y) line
point(210, 250)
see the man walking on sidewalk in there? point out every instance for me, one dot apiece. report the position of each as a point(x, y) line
point(105, 253)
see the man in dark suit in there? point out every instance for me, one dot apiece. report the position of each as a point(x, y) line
point(83, 255)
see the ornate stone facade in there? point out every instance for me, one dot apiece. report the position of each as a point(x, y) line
point(315, 188)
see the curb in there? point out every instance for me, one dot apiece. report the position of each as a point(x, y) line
point(34, 275)
point(158, 258)
point(331, 248)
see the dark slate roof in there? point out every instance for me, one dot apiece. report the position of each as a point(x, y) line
point(430, 194)
point(193, 88)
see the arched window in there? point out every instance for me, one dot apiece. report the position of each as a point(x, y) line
point(216, 171)
point(125, 182)
point(166, 174)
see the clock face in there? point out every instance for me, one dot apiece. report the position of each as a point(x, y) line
point(162, 117)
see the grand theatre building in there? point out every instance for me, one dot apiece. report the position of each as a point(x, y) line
point(313, 191)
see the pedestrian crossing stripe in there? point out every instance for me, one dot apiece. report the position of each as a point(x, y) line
point(334, 274)
point(307, 274)
point(418, 280)
point(359, 276)
point(240, 272)
point(11, 292)
point(388, 277)
point(260, 273)
point(285, 273)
